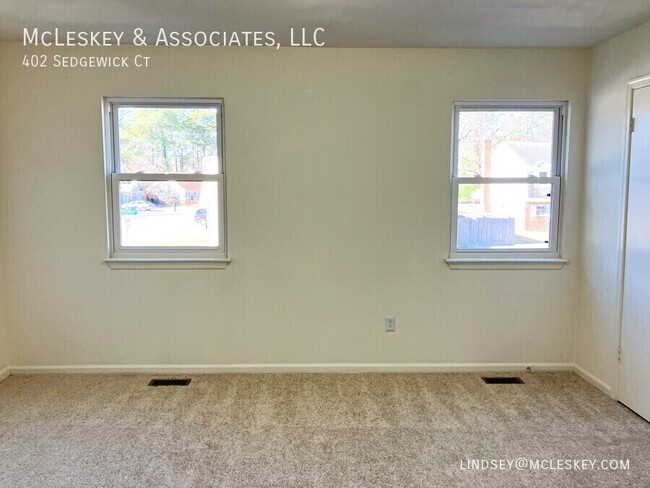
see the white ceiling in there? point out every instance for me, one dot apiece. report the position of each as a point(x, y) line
point(348, 23)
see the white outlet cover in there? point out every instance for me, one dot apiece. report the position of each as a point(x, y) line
point(390, 323)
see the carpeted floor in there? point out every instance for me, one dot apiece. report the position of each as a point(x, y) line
point(304, 430)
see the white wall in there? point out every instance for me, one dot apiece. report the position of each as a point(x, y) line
point(615, 63)
point(338, 201)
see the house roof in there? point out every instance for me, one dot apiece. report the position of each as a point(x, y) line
point(531, 153)
point(191, 185)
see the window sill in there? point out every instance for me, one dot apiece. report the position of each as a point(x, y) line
point(167, 263)
point(506, 263)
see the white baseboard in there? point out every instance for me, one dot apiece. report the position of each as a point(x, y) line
point(590, 378)
point(5, 371)
point(185, 369)
point(291, 368)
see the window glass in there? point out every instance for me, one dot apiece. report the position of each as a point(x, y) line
point(503, 216)
point(169, 213)
point(505, 144)
point(167, 139)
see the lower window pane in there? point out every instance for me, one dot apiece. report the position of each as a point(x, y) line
point(504, 216)
point(169, 213)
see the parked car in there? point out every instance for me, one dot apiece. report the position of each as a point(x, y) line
point(139, 205)
point(201, 216)
point(128, 210)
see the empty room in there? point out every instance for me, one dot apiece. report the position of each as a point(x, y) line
point(324, 243)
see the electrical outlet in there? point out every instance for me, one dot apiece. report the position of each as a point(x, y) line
point(390, 323)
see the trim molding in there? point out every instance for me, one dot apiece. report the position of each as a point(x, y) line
point(632, 85)
point(184, 369)
point(4, 373)
point(167, 263)
point(590, 378)
point(503, 263)
point(291, 368)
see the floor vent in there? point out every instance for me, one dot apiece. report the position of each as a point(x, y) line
point(162, 382)
point(502, 380)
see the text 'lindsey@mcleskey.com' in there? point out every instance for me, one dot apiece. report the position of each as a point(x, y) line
point(528, 464)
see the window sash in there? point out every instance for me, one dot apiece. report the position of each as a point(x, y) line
point(177, 251)
point(558, 109)
point(530, 180)
point(551, 251)
point(115, 104)
point(166, 177)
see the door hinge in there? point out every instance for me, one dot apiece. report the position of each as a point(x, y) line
point(619, 354)
point(631, 124)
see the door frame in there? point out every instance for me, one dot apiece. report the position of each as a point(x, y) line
point(634, 84)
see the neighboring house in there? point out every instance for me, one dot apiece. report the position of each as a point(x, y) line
point(529, 205)
point(192, 191)
point(130, 191)
point(198, 193)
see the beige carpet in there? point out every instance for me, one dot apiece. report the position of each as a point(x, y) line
point(365, 430)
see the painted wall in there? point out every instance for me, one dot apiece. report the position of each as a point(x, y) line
point(338, 213)
point(615, 63)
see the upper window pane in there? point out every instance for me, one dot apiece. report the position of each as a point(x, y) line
point(167, 140)
point(505, 143)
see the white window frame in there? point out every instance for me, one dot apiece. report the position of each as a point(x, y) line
point(531, 259)
point(120, 256)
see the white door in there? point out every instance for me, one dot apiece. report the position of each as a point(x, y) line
point(634, 376)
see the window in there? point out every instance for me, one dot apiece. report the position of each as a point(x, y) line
point(165, 182)
point(506, 179)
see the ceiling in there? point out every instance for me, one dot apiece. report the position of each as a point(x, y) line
point(348, 23)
